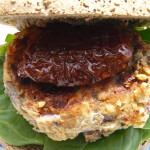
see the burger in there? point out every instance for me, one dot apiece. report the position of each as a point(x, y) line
point(77, 75)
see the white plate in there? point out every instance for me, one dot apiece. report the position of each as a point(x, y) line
point(4, 30)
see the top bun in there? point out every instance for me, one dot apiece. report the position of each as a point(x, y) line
point(42, 11)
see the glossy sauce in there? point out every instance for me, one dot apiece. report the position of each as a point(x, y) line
point(67, 55)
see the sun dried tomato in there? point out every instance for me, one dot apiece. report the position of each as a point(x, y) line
point(67, 55)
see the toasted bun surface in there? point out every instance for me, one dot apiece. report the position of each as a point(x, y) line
point(38, 12)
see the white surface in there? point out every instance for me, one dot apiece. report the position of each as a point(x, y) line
point(147, 147)
point(4, 30)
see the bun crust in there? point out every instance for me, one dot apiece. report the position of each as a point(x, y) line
point(77, 8)
point(39, 12)
point(10, 147)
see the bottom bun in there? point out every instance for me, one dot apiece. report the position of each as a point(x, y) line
point(143, 146)
point(11, 147)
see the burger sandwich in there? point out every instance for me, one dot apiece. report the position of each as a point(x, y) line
point(76, 75)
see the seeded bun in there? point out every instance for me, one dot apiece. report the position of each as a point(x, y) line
point(39, 12)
